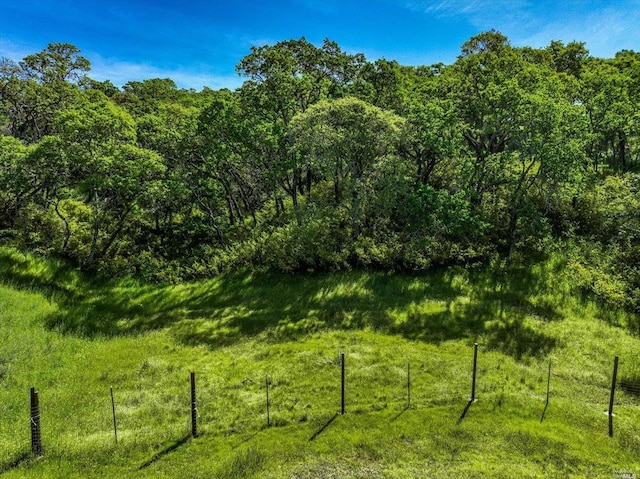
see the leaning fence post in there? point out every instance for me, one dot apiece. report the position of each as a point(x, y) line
point(342, 409)
point(194, 406)
point(115, 424)
point(36, 437)
point(473, 378)
point(611, 397)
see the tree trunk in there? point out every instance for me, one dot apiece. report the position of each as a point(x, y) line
point(622, 146)
point(67, 228)
point(94, 237)
point(355, 212)
point(309, 177)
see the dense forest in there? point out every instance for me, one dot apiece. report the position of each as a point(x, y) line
point(323, 160)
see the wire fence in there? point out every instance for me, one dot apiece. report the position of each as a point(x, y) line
point(247, 401)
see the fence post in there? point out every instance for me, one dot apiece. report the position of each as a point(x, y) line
point(115, 424)
point(342, 409)
point(266, 382)
point(408, 384)
point(194, 407)
point(36, 437)
point(611, 397)
point(475, 366)
point(548, 384)
point(546, 405)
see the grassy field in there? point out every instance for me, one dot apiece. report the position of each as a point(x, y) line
point(73, 339)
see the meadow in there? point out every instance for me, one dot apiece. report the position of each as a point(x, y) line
point(73, 338)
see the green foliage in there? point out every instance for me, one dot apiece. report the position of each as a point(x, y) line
point(13, 189)
point(505, 184)
point(324, 161)
point(443, 215)
point(58, 63)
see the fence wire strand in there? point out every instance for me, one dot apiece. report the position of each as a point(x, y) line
point(232, 403)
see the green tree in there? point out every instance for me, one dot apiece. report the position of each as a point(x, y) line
point(17, 183)
point(522, 130)
point(569, 58)
point(347, 139)
point(171, 219)
point(613, 116)
point(433, 135)
point(58, 63)
point(236, 152)
point(109, 172)
point(283, 80)
point(41, 85)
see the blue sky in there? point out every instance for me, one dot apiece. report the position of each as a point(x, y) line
point(198, 43)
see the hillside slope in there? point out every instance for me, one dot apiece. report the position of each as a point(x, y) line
point(73, 339)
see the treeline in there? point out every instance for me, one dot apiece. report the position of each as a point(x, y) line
point(324, 160)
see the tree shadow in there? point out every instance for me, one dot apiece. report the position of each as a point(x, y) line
point(514, 338)
point(440, 326)
point(630, 384)
point(226, 309)
point(435, 306)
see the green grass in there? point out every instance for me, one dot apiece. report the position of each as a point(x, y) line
point(73, 338)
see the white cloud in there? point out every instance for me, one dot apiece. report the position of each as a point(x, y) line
point(17, 51)
point(119, 73)
point(605, 29)
point(480, 13)
point(605, 32)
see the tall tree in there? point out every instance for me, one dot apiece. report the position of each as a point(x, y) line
point(346, 139)
point(285, 79)
point(109, 171)
point(612, 114)
point(519, 126)
point(58, 63)
point(41, 85)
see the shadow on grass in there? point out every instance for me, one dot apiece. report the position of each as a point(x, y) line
point(465, 411)
point(324, 427)
point(17, 462)
point(515, 338)
point(630, 384)
point(544, 411)
point(249, 437)
point(435, 306)
point(401, 413)
point(169, 449)
point(53, 278)
point(225, 309)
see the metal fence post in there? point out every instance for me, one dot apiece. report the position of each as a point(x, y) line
point(36, 436)
point(194, 407)
point(475, 366)
point(611, 397)
point(342, 408)
point(115, 424)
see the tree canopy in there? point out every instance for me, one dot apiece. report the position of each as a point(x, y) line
point(323, 160)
